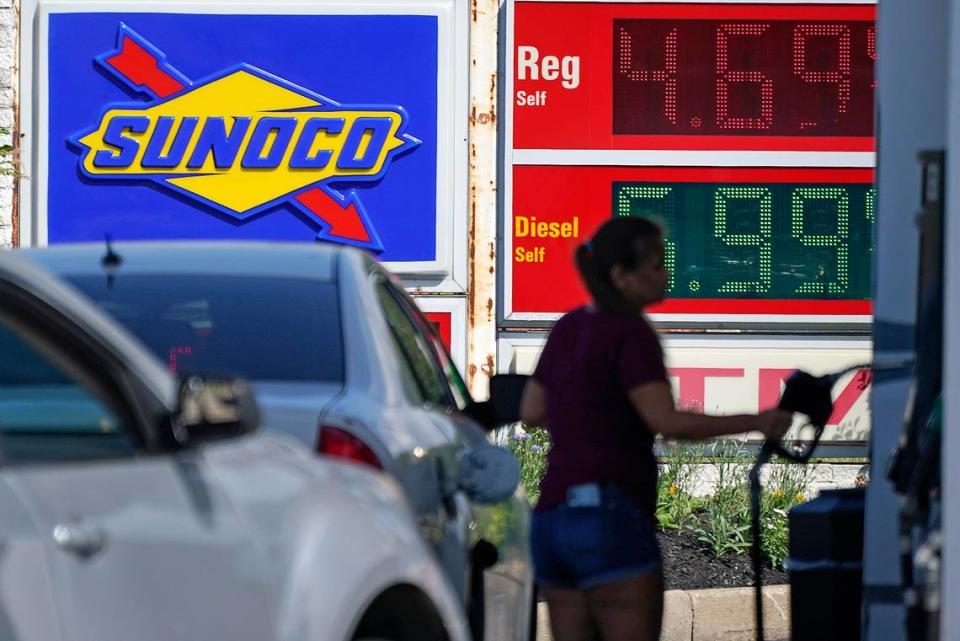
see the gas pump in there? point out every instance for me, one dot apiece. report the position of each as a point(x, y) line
point(914, 468)
point(826, 535)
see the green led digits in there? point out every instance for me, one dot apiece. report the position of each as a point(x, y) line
point(760, 239)
point(814, 198)
point(772, 241)
point(636, 200)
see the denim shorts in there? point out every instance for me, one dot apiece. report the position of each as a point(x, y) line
point(578, 546)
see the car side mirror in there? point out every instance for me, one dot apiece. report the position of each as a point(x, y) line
point(488, 474)
point(503, 406)
point(214, 407)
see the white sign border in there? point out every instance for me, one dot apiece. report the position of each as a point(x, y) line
point(508, 342)
point(687, 158)
point(448, 272)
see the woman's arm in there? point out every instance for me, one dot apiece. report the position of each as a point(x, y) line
point(533, 405)
point(654, 403)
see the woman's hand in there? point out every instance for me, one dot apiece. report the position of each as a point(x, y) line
point(774, 423)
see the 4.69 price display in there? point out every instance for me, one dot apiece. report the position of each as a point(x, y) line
point(760, 241)
point(710, 76)
point(746, 77)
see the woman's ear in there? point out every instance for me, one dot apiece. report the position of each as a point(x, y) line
point(617, 276)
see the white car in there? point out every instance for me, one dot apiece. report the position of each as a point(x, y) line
point(136, 506)
point(341, 360)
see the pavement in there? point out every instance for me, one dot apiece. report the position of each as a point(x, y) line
point(722, 614)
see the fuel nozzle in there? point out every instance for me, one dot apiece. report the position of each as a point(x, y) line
point(809, 395)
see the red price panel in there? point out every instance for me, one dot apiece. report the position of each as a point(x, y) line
point(741, 244)
point(656, 76)
point(442, 323)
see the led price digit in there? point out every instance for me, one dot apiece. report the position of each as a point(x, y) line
point(839, 77)
point(760, 240)
point(838, 240)
point(726, 76)
point(664, 208)
point(667, 75)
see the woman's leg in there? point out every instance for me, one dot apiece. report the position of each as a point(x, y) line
point(628, 609)
point(569, 614)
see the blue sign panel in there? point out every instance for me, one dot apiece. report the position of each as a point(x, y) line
point(267, 127)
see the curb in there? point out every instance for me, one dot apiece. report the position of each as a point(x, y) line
point(720, 614)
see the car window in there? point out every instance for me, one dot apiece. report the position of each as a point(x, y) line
point(414, 347)
point(264, 329)
point(457, 388)
point(46, 415)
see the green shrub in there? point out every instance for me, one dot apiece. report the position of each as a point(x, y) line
point(724, 525)
point(721, 520)
point(675, 500)
point(785, 487)
point(530, 446)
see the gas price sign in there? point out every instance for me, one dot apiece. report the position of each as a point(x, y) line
point(741, 241)
point(693, 76)
point(745, 128)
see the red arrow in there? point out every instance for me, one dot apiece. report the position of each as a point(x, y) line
point(136, 64)
point(344, 219)
point(140, 67)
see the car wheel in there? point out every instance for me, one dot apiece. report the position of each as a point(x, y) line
point(401, 613)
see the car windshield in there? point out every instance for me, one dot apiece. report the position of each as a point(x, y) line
point(265, 329)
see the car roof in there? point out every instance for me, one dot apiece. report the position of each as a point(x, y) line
point(315, 261)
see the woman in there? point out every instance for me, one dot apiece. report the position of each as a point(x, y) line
point(601, 390)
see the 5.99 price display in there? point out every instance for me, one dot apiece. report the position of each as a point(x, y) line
point(740, 241)
point(772, 241)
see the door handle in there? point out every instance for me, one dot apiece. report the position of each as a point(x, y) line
point(80, 538)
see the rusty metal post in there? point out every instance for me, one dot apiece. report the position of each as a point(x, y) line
point(482, 223)
point(15, 134)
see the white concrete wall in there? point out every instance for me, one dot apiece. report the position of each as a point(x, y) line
point(822, 476)
point(8, 41)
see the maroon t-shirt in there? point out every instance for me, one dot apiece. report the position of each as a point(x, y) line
point(591, 360)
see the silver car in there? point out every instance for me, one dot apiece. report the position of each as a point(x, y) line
point(342, 361)
point(136, 505)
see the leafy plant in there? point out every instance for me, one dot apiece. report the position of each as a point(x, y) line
point(499, 524)
point(675, 500)
point(531, 447)
point(7, 166)
point(723, 533)
point(724, 525)
point(786, 487)
point(721, 520)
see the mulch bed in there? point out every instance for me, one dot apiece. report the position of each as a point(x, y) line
point(687, 566)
